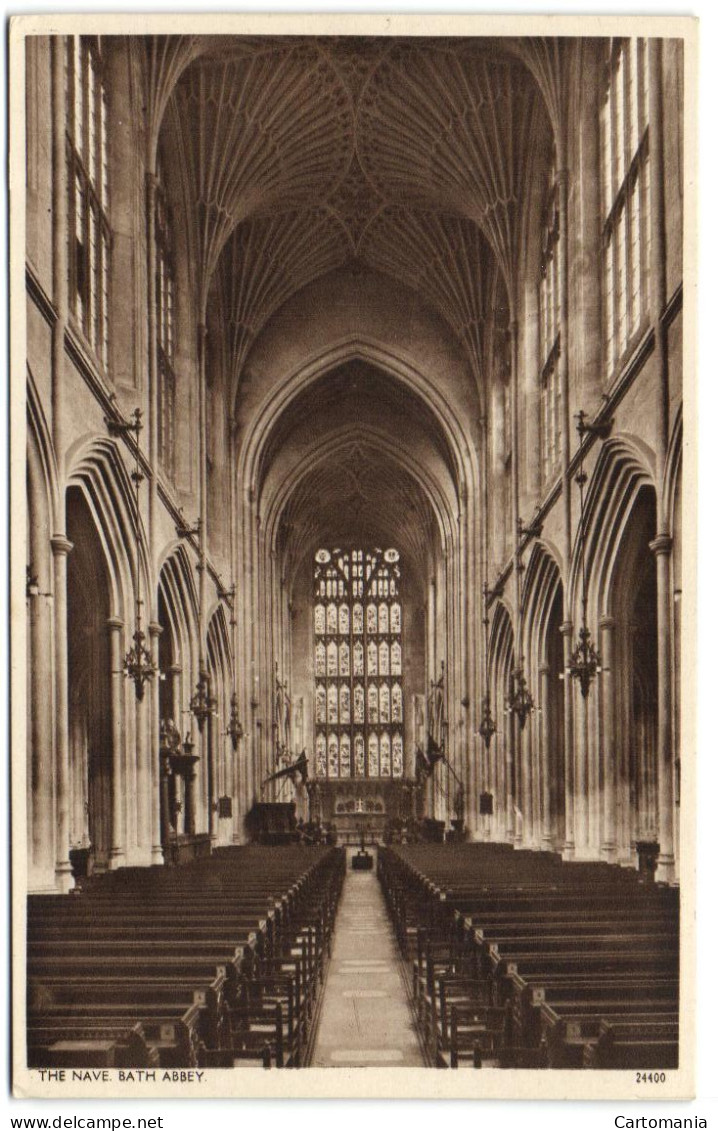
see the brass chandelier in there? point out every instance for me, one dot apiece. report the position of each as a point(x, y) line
point(585, 662)
point(137, 664)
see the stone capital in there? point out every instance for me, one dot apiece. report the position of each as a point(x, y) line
point(661, 545)
point(607, 622)
point(115, 624)
point(566, 628)
point(154, 628)
point(61, 546)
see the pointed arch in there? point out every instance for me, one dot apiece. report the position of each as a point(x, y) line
point(96, 466)
point(623, 468)
point(179, 618)
point(542, 582)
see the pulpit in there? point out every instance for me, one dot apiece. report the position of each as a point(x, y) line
point(178, 816)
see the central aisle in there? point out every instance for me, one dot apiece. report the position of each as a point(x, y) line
point(365, 1019)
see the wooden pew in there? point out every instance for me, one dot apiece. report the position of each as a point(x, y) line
point(502, 923)
point(227, 952)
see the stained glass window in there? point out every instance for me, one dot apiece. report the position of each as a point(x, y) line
point(396, 617)
point(359, 755)
point(397, 747)
point(373, 755)
point(333, 750)
point(359, 709)
point(345, 758)
point(321, 762)
point(384, 708)
point(385, 755)
point(358, 704)
point(383, 618)
point(373, 702)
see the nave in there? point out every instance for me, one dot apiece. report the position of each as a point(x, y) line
point(462, 956)
point(354, 513)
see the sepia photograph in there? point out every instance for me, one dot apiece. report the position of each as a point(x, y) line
point(353, 632)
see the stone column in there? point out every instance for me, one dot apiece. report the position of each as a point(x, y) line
point(165, 811)
point(152, 380)
point(144, 780)
point(211, 748)
point(569, 846)
point(119, 783)
point(190, 803)
point(609, 844)
point(61, 547)
point(41, 785)
point(510, 775)
point(173, 674)
point(156, 856)
point(581, 815)
point(662, 544)
point(661, 547)
point(545, 757)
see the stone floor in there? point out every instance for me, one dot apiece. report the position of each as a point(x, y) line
point(365, 1018)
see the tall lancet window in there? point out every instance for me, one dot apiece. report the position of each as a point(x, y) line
point(625, 185)
point(165, 313)
point(359, 697)
point(550, 334)
point(88, 188)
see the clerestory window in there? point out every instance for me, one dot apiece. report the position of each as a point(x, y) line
point(550, 333)
point(88, 186)
point(625, 183)
point(165, 313)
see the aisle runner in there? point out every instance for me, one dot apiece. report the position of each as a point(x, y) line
point(365, 1017)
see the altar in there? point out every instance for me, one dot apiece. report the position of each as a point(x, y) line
point(361, 810)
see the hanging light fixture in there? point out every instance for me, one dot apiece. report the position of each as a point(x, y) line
point(235, 729)
point(137, 664)
point(487, 726)
point(521, 702)
point(203, 703)
point(585, 662)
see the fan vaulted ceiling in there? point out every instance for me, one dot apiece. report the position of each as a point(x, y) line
point(356, 457)
point(300, 156)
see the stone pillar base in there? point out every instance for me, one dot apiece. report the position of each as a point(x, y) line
point(666, 869)
point(42, 882)
point(64, 881)
point(609, 852)
point(116, 859)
